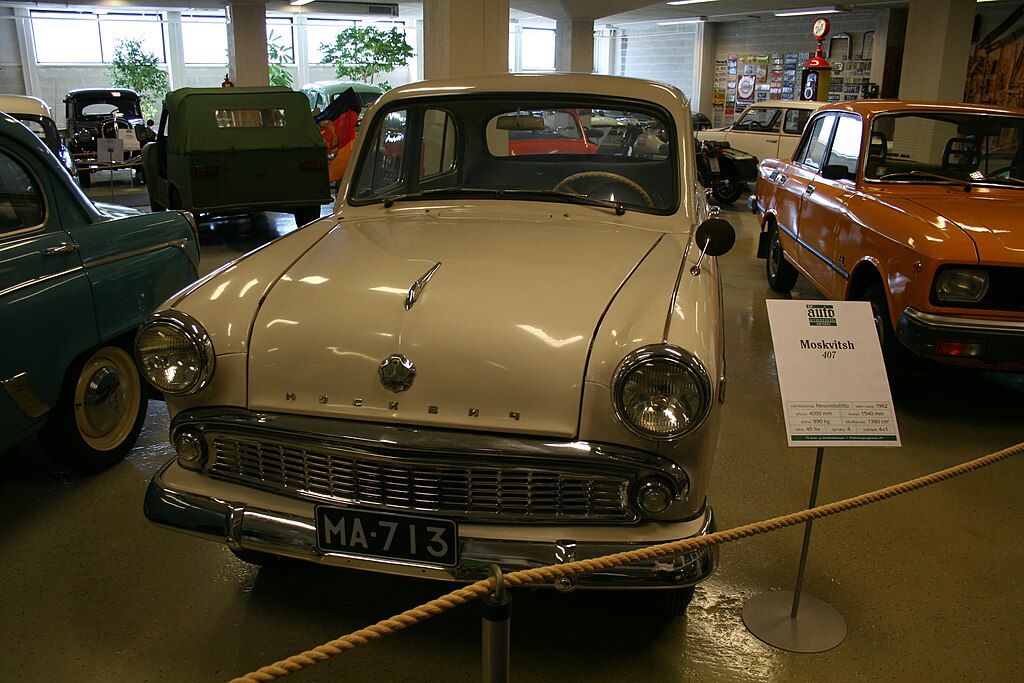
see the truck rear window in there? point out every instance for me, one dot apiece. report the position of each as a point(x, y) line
point(250, 118)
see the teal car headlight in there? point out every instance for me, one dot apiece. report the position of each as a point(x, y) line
point(175, 353)
point(961, 285)
point(661, 392)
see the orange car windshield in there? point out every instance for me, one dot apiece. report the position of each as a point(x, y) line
point(946, 147)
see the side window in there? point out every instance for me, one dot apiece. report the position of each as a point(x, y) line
point(21, 201)
point(384, 166)
point(815, 143)
point(438, 143)
point(796, 119)
point(846, 146)
point(759, 120)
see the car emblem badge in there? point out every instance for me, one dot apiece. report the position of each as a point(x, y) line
point(396, 372)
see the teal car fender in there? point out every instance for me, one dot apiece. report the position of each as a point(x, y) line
point(76, 280)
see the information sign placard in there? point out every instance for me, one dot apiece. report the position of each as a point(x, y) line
point(831, 374)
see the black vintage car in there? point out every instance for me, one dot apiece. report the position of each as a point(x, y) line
point(95, 114)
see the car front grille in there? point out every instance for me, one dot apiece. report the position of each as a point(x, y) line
point(469, 488)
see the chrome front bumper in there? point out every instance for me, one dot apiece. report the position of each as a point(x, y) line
point(192, 503)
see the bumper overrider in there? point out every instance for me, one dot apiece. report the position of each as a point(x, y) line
point(263, 482)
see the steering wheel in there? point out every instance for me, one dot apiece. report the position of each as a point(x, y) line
point(1005, 171)
point(565, 185)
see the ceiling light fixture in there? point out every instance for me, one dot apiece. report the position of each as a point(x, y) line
point(832, 9)
point(691, 20)
point(297, 3)
point(687, 2)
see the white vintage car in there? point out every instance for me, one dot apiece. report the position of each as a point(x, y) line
point(501, 349)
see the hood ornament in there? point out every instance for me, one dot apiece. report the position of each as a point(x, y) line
point(417, 287)
point(396, 372)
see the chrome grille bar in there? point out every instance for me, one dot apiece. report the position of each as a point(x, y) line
point(468, 488)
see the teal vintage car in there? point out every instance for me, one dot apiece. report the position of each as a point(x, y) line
point(76, 281)
point(222, 151)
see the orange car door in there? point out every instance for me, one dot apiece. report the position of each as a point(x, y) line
point(823, 213)
point(797, 215)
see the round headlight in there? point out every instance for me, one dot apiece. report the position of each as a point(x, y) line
point(661, 392)
point(175, 353)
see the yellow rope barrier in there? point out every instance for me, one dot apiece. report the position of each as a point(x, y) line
point(473, 591)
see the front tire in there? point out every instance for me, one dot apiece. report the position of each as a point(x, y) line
point(898, 360)
point(781, 275)
point(99, 414)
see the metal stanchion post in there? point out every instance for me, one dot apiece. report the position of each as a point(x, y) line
point(775, 616)
point(496, 613)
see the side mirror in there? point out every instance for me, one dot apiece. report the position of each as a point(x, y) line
point(715, 237)
point(836, 172)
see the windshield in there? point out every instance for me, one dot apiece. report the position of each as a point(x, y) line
point(946, 147)
point(104, 107)
point(536, 148)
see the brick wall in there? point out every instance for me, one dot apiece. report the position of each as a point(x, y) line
point(659, 53)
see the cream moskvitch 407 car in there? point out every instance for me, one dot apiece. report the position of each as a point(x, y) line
point(481, 358)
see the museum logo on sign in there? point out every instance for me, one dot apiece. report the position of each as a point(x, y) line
point(821, 315)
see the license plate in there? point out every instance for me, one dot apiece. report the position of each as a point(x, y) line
point(424, 540)
point(714, 164)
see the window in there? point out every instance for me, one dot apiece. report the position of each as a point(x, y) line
point(250, 118)
point(438, 143)
point(846, 146)
point(65, 37)
point(813, 150)
point(204, 38)
point(280, 34)
point(323, 31)
point(21, 204)
point(538, 49)
point(547, 131)
point(384, 166)
point(795, 121)
point(759, 119)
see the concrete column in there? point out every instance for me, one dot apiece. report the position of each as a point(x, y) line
point(176, 77)
point(464, 37)
point(704, 76)
point(887, 51)
point(29, 72)
point(303, 74)
point(937, 47)
point(247, 43)
point(574, 45)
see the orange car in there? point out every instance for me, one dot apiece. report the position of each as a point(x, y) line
point(913, 207)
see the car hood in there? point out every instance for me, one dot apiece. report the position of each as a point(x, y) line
point(987, 217)
point(499, 334)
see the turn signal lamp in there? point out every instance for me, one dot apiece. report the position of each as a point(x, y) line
point(191, 449)
point(204, 170)
point(961, 349)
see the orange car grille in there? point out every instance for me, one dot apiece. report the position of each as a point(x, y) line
point(475, 490)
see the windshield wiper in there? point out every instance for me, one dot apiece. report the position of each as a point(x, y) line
point(1003, 179)
point(925, 174)
point(454, 189)
point(570, 197)
point(619, 208)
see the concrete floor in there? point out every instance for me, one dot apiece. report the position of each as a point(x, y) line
point(929, 583)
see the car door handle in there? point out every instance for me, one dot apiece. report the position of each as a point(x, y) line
point(62, 248)
point(810, 190)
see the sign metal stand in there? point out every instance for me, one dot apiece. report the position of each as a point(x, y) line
point(834, 391)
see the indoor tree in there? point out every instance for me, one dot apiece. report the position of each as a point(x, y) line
point(361, 52)
point(277, 56)
point(132, 67)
